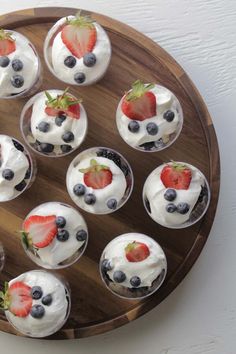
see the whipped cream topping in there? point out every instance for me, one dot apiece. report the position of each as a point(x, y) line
point(165, 100)
point(57, 251)
point(55, 314)
point(154, 191)
point(15, 160)
point(24, 52)
point(147, 270)
point(116, 189)
point(56, 55)
point(54, 136)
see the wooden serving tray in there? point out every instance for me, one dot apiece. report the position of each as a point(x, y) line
point(94, 308)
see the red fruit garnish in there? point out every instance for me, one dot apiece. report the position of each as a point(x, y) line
point(7, 43)
point(176, 175)
point(79, 35)
point(39, 230)
point(64, 103)
point(140, 102)
point(97, 176)
point(136, 251)
point(17, 299)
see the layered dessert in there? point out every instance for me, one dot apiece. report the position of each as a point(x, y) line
point(99, 180)
point(19, 64)
point(36, 303)
point(54, 235)
point(149, 117)
point(77, 50)
point(54, 123)
point(133, 265)
point(176, 195)
point(16, 168)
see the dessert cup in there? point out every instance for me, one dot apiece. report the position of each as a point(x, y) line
point(77, 50)
point(63, 235)
point(37, 303)
point(17, 168)
point(149, 117)
point(133, 266)
point(20, 68)
point(176, 195)
point(51, 125)
point(99, 180)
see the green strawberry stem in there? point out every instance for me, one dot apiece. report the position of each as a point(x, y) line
point(63, 101)
point(138, 90)
point(178, 166)
point(81, 21)
point(6, 35)
point(94, 167)
point(4, 298)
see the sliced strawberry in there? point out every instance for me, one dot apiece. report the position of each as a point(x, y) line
point(59, 29)
point(136, 251)
point(64, 103)
point(79, 35)
point(97, 176)
point(19, 298)
point(140, 102)
point(7, 43)
point(40, 230)
point(177, 176)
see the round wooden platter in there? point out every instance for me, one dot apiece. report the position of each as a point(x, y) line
point(94, 308)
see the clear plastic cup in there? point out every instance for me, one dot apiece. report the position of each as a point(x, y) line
point(2, 257)
point(162, 134)
point(20, 71)
point(100, 200)
point(22, 168)
point(55, 314)
point(51, 143)
point(197, 198)
point(133, 275)
point(70, 239)
point(56, 53)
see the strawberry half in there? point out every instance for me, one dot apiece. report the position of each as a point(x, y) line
point(176, 175)
point(136, 251)
point(64, 103)
point(140, 102)
point(17, 299)
point(97, 176)
point(39, 230)
point(79, 35)
point(7, 43)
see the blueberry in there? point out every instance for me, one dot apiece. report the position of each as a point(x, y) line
point(60, 221)
point(60, 119)
point(112, 204)
point(19, 187)
point(135, 281)
point(66, 148)
point(18, 146)
point(79, 78)
point(106, 265)
point(81, 235)
point(8, 174)
point(36, 292)
point(4, 62)
point(79, 189)
point(37, 311)
point(89, 59)
point(152, 128)
point(44, 127)
point(119, 276)
point(68, 137)
point(171, 208)
point(63, 235)
point(47, 300)
point(148, 146)
point(70, 61)
point(110, 155)
point(17, 65)
point(90, 199)
point(183, 208)
point(46, 147)
point(133, 126)
point(17, 81)
point(169, 116)
point(28, 173)
point(170, 194)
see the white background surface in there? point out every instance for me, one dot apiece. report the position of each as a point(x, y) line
point(200, 316)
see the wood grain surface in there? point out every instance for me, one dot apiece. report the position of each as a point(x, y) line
point(94, 308)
